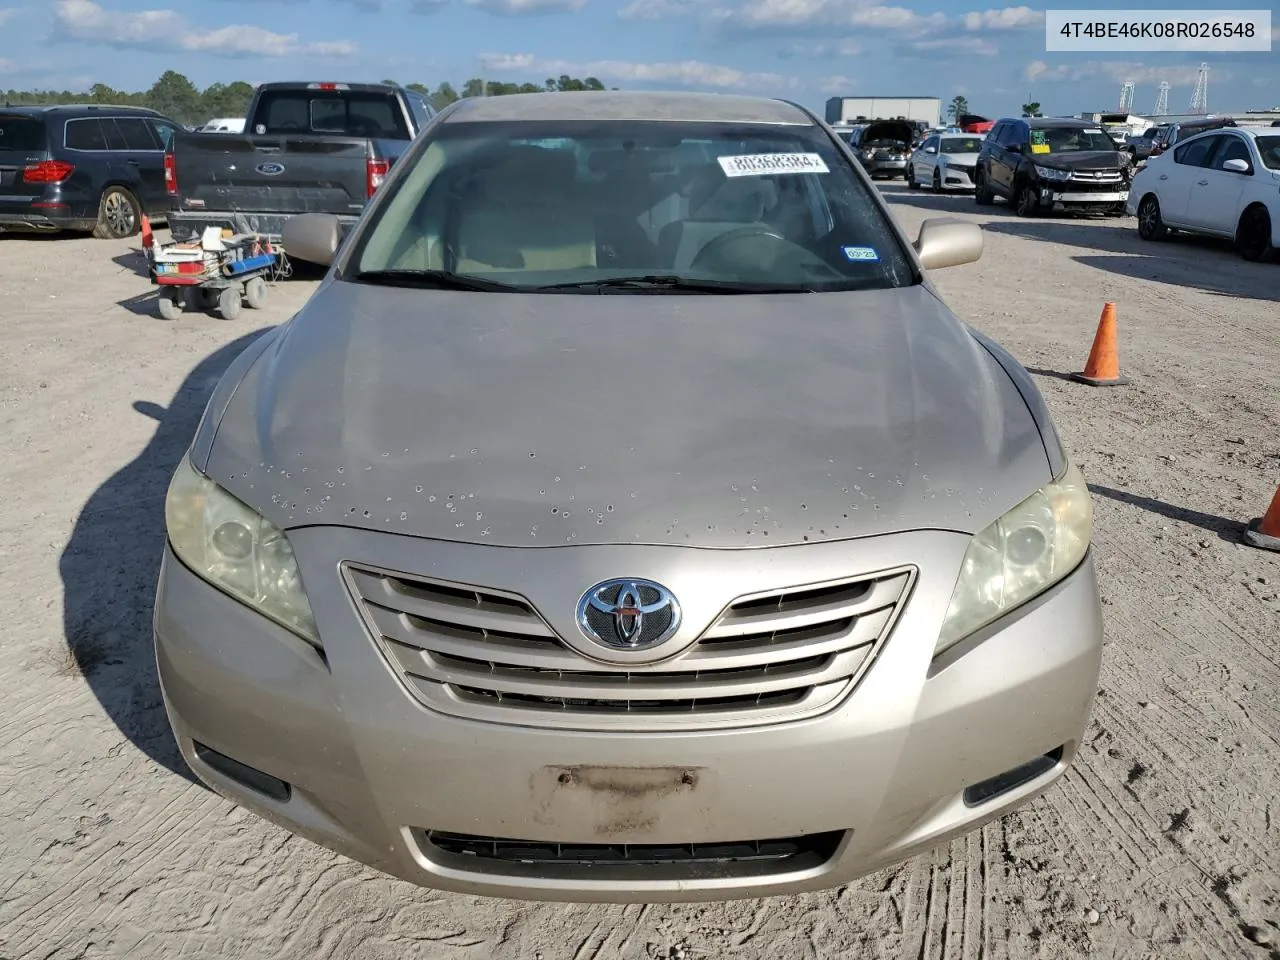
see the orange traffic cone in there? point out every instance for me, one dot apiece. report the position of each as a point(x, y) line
point(148, 238)
point(1264, 531)
point(1103, 366)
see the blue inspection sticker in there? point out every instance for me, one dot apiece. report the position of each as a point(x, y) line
point(858, 254)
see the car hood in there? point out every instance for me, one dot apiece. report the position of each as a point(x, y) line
point(960, 159)
point(1081, 160)
point(893, 130)
point(712, 421)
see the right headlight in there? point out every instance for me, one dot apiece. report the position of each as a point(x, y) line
point(241, 553)
point(1020, 555)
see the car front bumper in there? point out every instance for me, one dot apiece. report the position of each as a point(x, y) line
point(873, 781)
point(1065, 196)
point(885, 166)
point(957, 178)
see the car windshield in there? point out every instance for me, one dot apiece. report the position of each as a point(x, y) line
point(961, 144)
point(1070, 139)
point(1269, 150)
point(629, 207)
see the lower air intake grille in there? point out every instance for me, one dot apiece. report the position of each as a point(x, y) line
point(789, 853)
point(486, 654)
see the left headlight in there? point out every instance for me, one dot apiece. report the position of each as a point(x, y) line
point(1020, 555)
point(241, 553)
point(1051, 173)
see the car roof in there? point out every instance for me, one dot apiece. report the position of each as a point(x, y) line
point(1037, 122)
point(85, 109)
point(628, 105)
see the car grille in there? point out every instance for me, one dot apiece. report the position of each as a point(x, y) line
point(486, 654)
point(1097, 181)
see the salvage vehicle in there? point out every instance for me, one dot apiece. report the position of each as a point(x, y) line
point(883, 146)
point(82, 167)
point(1174, 133)
point(944, 162)
point(1040, 164)
point(309, 148)
point(796, 586)
point(1223, 183)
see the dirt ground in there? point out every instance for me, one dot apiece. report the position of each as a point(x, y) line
point(1162, 842)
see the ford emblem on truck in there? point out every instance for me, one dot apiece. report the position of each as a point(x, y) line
point(271, 169)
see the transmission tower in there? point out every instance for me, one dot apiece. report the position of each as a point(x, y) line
point(1162, 100)
point(1200, 96)
point(1126, 97)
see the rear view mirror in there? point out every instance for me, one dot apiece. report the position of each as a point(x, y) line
point(313, 237)
point(1236, 165)
point(944, 242)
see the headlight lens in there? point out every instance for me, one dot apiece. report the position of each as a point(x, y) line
point(1020, 555)
point(1049, 173)
point(236, 550)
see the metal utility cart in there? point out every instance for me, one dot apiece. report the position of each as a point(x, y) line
point(216, 271)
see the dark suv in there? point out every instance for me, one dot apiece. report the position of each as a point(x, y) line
point(1048, 163)
point(82, 167)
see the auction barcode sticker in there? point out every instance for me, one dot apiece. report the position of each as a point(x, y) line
point(760, 164)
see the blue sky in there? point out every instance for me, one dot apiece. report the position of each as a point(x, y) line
point(806, 50)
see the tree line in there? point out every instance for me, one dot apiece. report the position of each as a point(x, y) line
point(176, 96)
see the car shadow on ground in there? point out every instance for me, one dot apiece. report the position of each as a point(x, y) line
point(1226, 528)
point(1248, 281)
point(1114, 235)
point(111, 562)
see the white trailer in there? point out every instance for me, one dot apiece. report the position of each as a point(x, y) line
point(849, 110)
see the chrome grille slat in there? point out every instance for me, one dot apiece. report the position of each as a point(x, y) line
point(881, 593)
point(489, 611)
point(746, 651)
point(487, 654)
point(629, 685)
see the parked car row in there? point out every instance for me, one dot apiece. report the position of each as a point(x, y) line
point(1206, 176)
point(309, 147)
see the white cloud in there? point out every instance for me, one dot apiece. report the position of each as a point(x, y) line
point(656, 9)
point(1007, 18)
point(689, 73)
point(976, 46)
point(1117, 71)
point(847, 47)
point(837, 84)
point(88, 22)
point(514, 8)
point(7, 14)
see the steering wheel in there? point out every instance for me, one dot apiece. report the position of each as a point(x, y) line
point(762, 258)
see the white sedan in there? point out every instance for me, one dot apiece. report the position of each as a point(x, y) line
point(1224, 182)
point(944, 161)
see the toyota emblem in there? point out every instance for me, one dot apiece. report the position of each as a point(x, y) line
point(628, 614)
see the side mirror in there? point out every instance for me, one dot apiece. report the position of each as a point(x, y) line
point(313, 237)
point(1014, 148)
point(944, 242)
point(1236, 165)
point(930, 149)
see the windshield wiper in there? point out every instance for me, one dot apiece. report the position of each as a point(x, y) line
point(430, 280)
point(664, 282)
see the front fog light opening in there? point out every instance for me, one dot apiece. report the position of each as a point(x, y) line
point(999, 785)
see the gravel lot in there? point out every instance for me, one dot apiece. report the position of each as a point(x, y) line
point(1163, 841)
